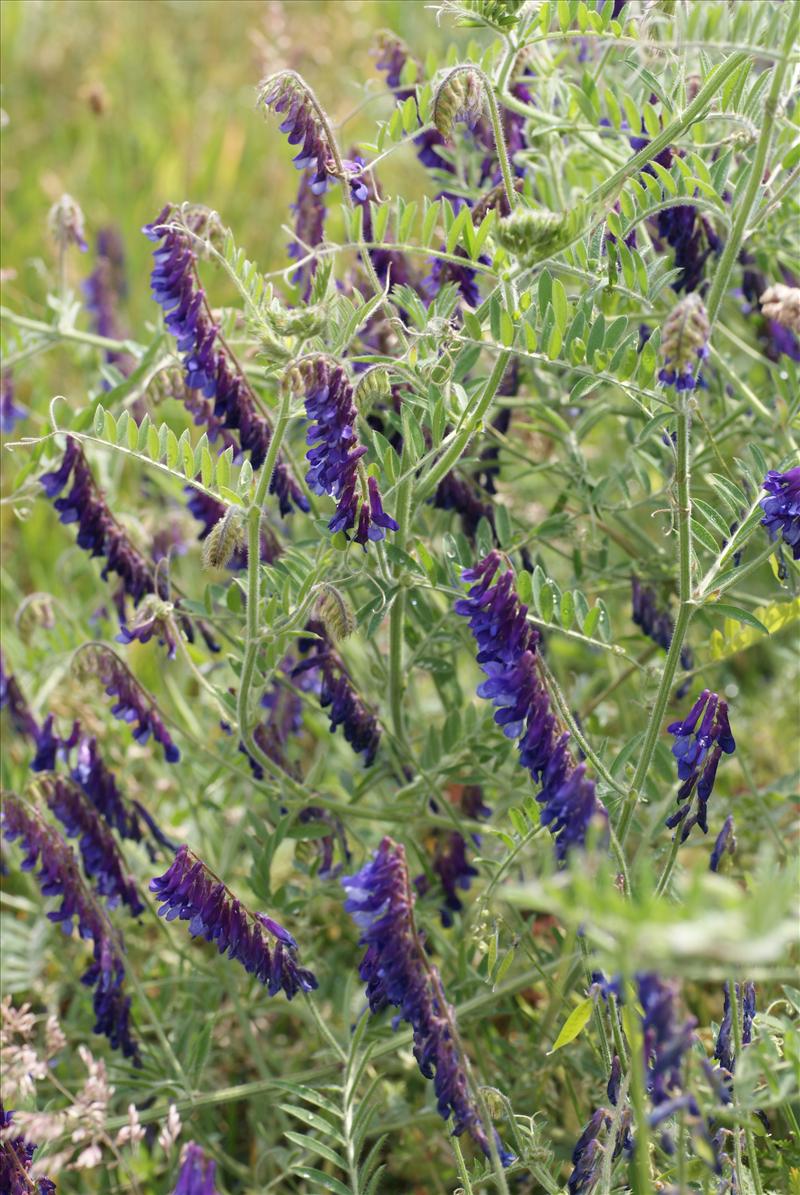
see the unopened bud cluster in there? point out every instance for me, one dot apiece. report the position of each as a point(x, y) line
point(684, 343)
point(460, 97)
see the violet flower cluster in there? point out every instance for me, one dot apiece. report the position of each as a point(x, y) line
point(192, 893)
point(698, 752)
point(725, 1046)
point(102, 862)
point(132, 705)
point(309, 230)
point(59, 875)
point(507, 648)
point(782, 508)
point(334, 453)
point(656, 622)
point(207, 369)
point(360, 727)
point(197, 1174)
point(16, 1159)
point(397, 972)
point(450, 863)
point(98, 532)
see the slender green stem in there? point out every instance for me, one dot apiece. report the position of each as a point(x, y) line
point(470, 423)
point(53, 332)
point(641, 1160)
point(745, 206)
point(669, 866)
point(685, 611)
point(461, 1166)
point(324, 1029)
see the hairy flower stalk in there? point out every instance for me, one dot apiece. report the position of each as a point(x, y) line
point(192, 893)
point(335, 451)
point(507, 653)
point(16, 1159)
point(336, 690)
point(684, 343)
point(222, 524)
point(207, 366)
point(782, 508)
point(59, 875)
point(397, 972)
point(132, 705)
point(102, 861)
point(197, 1174)
point(698, 752)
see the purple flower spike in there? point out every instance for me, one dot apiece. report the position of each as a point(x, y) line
point(192, 893)
point(782, 508)
point(698, 752)
point(507, 651)
point(334, 452)
point(132, 704)
point(337, 691)
point(16, 1157)
point(102, 861)
point(197, 1174)
point(309, 228)
point(286, 95)
point(59, 875)
point(394, 968)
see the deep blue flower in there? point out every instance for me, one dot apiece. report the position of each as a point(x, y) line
point(667, 1037)
point(197, 1174)
point(725, 843)
point(207, 369)
point(655, 621)
point(337, 691)
point(588, 1154)
point(334, 452)
point(59, 875)
point(692, 237)
point(10, 413)
point(98, 531)
point(698, 752)
point(50, 746)
point(725, 1046)
point(774, 338)
point(191, 892)
point(453, 870)
point(132, 704)
point(782, 507)
point(397, 972)
point(102, 861)
point(16, 1157)
point(465, 277)
point(507, 652)
point(100, 786)
point(286, 95)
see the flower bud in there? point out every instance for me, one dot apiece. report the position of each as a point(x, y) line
point(782, 304)
point(66, 225)
point(373, 386)
point(684, 342)
point(533, 235)
point(225, 537)
point(335, 613)
point(460, 97)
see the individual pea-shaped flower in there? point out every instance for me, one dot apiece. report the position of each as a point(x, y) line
point(782, 507)
point(197, 1174)
point(684, 343)
point(698, 752)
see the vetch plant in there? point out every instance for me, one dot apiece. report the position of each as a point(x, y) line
point(440, 551)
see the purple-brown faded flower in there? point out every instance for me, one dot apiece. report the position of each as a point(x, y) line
point(397, 972)
point(698, 752)
point(782, 507)
point(176, 289)
point(65, 221)
point(453, 870)
point(10, 413)
point(724, 845)
point(13, 699)
point(455, 493)
point(725, 1046)
point(59, 875)
point(334, 453)
point(507, 651)
point(197, 1173)
point(192, 893)
point(132, 704)
point(16, 1158)
point(102, 861)
point(463, 276)
point(693, 238)
point(588, 1154)
point(98, 532)
point(337, 691)
point(655, 621)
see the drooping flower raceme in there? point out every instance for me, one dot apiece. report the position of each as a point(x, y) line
point(207, 367)
point(655, 621)
point(132, 704)
point(347, 710)
point(16, 1158)
point(684, 343)
point(507, 649)
point(698, 752)
point(397, 972)
point(197, 1174)
point(192, 893)
point(102, 861)
point(59, 875)
point(782, 507)
point(334, 452)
